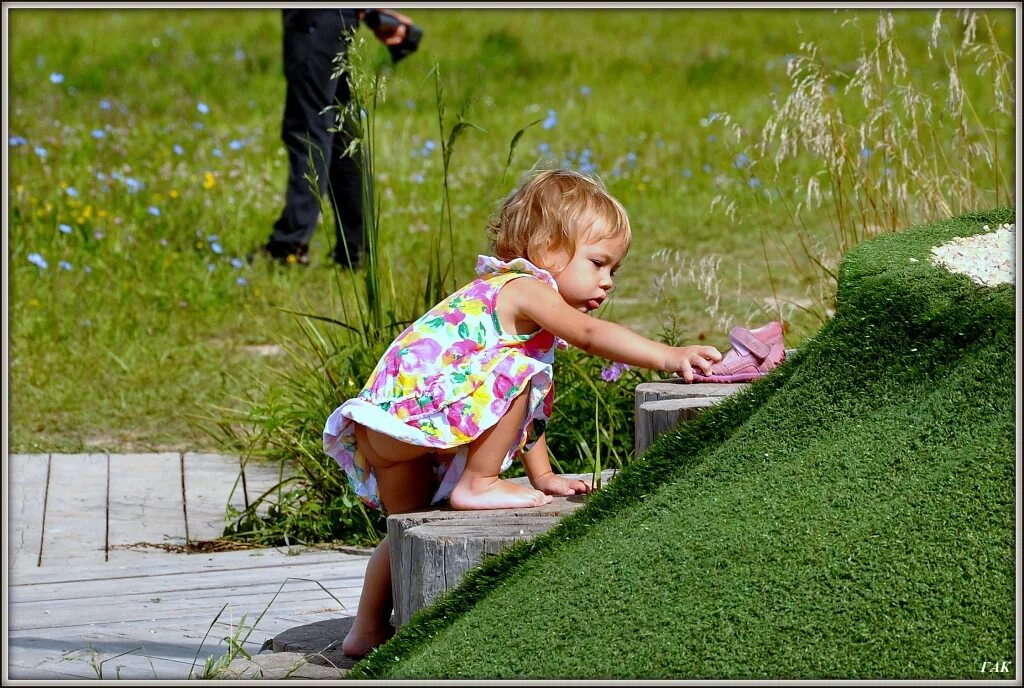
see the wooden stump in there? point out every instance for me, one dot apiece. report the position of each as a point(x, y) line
point(432, 549)
point(661, 406)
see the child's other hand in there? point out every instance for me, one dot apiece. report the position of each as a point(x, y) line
point(690, 357)
point(560, 485)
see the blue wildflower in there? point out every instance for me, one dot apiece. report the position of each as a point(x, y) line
point(98, 235)
point(105, 104)
point(239, 54)
point(218, 153)
point(37, 260)
point(242, 281)
point(198, 126)
point(64, 229)
point(417, 178)
point(631, 158)
point(133, 184)
point(203, 108)
point(237, 263)
point(98, 133)
point(707, 167)
point(210, 267)
point(153, 210)
point(235, 145)
point(100, 176)
point(544, 148)
point(40, 151)
point(410, 104)
point(754, 182)
point(87, 270)
point(865, 153)
point(71, 191)
point(56, 78)
point(64, 265)
point(712, 138)
point(585, 91)
point(741, 161)
point(550, 121)
point(211, 238)
point(216, 248)
point(16, 141)
point(178, 150)
point(429, 145)
point(687, 173)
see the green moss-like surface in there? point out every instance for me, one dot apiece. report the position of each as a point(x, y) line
point(850, 516)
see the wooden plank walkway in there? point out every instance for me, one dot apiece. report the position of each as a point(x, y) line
point(92, 591)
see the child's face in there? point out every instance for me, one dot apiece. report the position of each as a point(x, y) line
point(587, 277)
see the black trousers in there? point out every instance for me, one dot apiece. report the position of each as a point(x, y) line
point(312, 39)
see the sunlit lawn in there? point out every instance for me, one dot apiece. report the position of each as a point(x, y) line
point(144, 164)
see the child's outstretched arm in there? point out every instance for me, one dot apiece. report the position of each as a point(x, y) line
point(535, 301)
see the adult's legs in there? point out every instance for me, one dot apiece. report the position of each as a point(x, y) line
point(405, 481)
point(346, 192)
point(311, 40)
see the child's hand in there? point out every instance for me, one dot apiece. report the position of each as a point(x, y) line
point(686, 358)
point(560, 485)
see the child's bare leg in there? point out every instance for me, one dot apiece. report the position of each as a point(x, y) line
point(479, 487)
point(405, 481)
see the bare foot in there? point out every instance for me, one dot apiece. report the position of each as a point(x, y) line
point(493, 493)
point(360, 642)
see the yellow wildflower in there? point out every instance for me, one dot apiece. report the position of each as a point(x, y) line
point(173, 193)
point(209, 180)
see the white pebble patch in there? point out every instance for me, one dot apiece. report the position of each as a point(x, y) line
point(988, 259)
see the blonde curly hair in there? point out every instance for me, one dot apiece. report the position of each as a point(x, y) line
point(551, 211)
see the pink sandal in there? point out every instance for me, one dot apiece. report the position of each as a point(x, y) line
point(754, 354)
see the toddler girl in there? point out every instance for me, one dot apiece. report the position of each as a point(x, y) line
point(468, 387)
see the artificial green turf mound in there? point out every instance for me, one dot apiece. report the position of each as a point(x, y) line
point(849, 516)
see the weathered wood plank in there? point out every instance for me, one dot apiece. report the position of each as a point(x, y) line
point(212, 481)
point(146, 502)
point(197, 584)
point(172, 632)
point(76, 509)
point(176, 605)
point(95, 662)
point(26, 495)
point(242, 563)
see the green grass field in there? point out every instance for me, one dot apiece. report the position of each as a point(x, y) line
point(851, 516)
point(144, 162)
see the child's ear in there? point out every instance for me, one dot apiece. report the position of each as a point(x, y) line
point(554, 260)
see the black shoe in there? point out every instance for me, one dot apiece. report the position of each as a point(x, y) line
point(286, 254)
point(351, 260)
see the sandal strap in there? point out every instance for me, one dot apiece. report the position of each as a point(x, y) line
point(744, 337)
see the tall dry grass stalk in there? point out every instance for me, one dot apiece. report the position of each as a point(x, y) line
point(887, 150)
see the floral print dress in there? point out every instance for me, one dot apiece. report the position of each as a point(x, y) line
point(448, 377)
